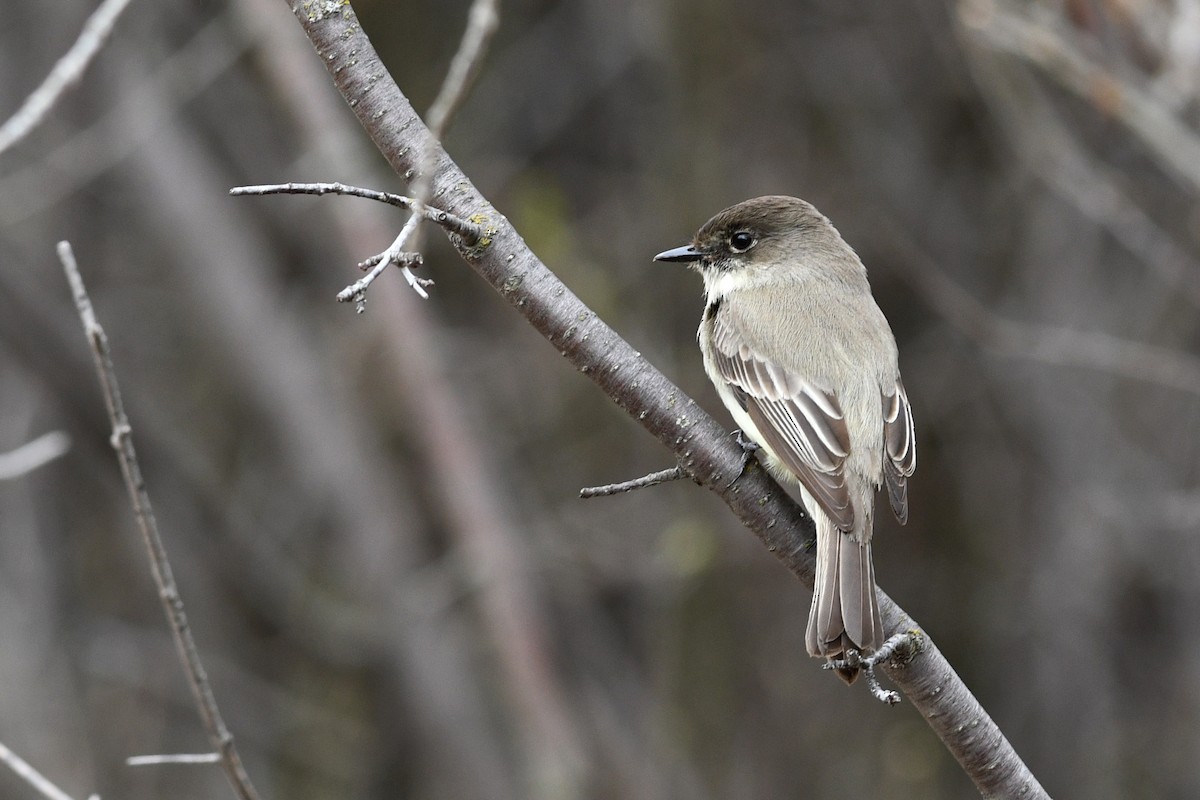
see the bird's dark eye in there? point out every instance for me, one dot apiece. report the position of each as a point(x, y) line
point(741, 241)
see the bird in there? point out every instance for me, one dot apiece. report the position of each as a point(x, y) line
point(804, 360)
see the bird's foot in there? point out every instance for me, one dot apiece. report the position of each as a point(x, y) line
point(749, 448)
point(901, 648)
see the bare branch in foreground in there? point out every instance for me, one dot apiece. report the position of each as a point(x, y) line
point(704, 449)
point(160, 566)
point(68, 70)
point(33, 454)
point(653, 479)
point(31, 776)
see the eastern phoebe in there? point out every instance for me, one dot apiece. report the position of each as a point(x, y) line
point(806, 363)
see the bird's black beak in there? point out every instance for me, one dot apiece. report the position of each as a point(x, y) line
point(685, 253)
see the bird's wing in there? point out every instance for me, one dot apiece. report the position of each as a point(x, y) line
point(900, 447)
point(801, 423)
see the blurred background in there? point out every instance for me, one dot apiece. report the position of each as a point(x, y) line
point(374, 519)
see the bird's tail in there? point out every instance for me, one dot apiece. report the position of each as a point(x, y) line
point(845, 610)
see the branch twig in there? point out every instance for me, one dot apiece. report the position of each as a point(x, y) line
point(173, 758)
point(31, 776)
point(31, 455)
point(482, 21)
point(160, 566)
point(653, 479)
point(469, 231)
point(68, 70)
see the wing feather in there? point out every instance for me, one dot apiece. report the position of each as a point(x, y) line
point(900, 447)
point(802, 424)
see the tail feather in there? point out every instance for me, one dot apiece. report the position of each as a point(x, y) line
point(845, 610)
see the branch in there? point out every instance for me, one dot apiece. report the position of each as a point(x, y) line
point(31, 455)
point(469, 231)
point(160, 566)
point(482, 22)
point(173, 758)
point(67, 71)
point(674, 473)
point(31, 776)
point(703, 448)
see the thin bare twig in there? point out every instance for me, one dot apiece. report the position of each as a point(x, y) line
point(31, 776)
point(653, 479)
point(482, 21)
point(469, 231)
point(395, 253)
point(173, 758)
point(68, 70)
point(31, 455)
point(160, 566)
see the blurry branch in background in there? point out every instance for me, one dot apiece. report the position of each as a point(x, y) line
point(1034, 341)
point(31, 455)
point(1006, 43)
point(160, 567)
point(65, 73)
point(174, 758)
point(482, 21)
point(34, 778)
point(703, 448)
point(1053, 154)
point(174, 82)
point(999, 25)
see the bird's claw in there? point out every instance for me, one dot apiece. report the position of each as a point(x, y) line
point(749, 447)
point(900, 647)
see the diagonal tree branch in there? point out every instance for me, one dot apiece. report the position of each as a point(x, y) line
point(37, 780)
point(703, 448)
